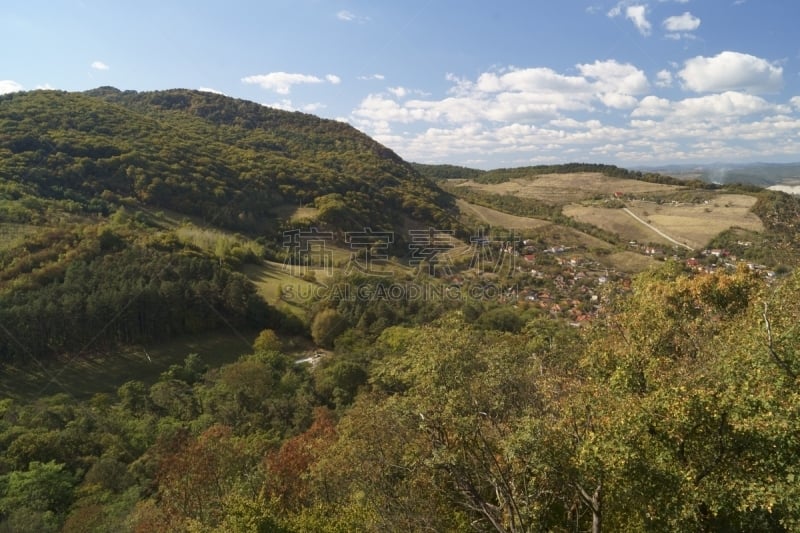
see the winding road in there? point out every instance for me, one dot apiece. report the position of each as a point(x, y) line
point(670, 239)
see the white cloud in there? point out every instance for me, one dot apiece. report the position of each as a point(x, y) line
point(280, 82)
point(612, 76)
point(402, 92)
point(514, 95)
point(664, 78)
point(372, 77)
point(210, 90)
point(313, 107)
point(684, 22)
point(679, 36)
point(348, 16)
point(514, 116)
point(731, 71)
point(45, 87)
point(99, 65)
point(399, 92)
point(727, 105)
point(616, 83)
point(638, 15)
point(10, 86)
point(287, 105)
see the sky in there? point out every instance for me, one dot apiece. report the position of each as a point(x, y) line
point(480, 83)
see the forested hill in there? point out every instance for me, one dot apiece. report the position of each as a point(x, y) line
point(93, 187)
point(229, 161)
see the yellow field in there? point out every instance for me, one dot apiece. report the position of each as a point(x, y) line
point(498, 218)
point(294, 213)
point(614, 221)
point(560, 189)
point(697, 224)
point(693, 224)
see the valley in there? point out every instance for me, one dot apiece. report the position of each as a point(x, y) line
point(220, 316)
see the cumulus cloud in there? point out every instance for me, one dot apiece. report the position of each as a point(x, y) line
point(99, 65)
point(282, 82)
point(514, 95)
point(399, 92)
point(638, 15)
point(684, 22)
point(731, 71)
point(287, 105)
point(616, 83)
point(612, 76)
point(10, 86)
point(532, 115)
point(210, 90)
point(372, 77)
point(730, 104)
point(664, 78)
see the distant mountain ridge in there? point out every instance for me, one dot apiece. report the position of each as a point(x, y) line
point(762, 174)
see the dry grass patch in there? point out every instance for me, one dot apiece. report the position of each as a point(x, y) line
point(498, 218)
point(614, 221)
point(294, 212)
point(629, 262)
point(560, 189)
point(697, 224)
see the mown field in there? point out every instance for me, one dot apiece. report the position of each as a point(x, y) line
point(493, 217)
point(697, 224)
point(99, 372)
point(562, 189)
point(615, 221)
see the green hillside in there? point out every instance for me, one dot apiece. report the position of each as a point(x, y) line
point(225, 160)
point(97, 190)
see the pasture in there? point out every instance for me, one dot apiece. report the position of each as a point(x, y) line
point(562, 189)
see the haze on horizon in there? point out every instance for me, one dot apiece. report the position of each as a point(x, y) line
point(631, 82)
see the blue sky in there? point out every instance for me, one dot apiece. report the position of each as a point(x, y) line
point(474, 82)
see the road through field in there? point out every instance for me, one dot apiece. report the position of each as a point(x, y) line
point(670, 239)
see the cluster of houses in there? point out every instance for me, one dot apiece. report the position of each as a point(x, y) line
point(557, 279)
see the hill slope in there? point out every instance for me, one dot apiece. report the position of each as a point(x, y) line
point(225, 160)
point(86, 260)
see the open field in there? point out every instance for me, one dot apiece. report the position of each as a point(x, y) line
point(493, 217)
point(279, 287)
point(294, 212)
point(697, 224)
point(561, 189)
point(105, 372)
point(693, 224)
point(628, 261)
point(614, 221)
